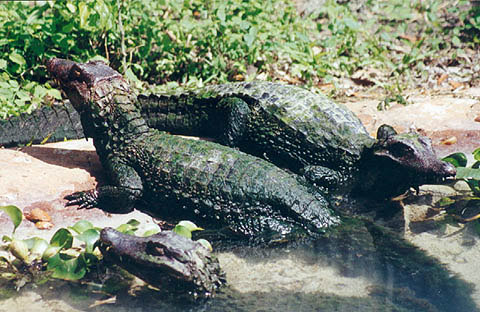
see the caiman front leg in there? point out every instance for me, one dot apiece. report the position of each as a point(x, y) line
point(120, 196)
point(322, 176)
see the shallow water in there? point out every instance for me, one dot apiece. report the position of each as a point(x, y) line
point(286, 279)
point(295, 279)
point(267, 280)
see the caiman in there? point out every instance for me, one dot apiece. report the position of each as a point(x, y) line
point(218, 187)
point(304, 132)
point(173, 263)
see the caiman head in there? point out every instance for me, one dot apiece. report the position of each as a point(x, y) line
point(92, 88)
point(168, 261)
point(397, 162)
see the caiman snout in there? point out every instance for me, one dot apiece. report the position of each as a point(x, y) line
point(449, 170)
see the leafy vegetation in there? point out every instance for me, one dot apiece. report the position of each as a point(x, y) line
point(172, 42)
point(465, 208)
point(471, 174)
point(69, 255)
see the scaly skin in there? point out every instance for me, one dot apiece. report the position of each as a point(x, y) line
point(217, 187)
point(293, 128)
point(47, 124)
point(176, 178)
point(175, 264)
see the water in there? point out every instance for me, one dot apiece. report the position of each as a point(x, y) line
point(316, 277)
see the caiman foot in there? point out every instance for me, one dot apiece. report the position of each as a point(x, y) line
point(84, 200)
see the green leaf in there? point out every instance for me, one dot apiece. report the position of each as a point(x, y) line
point(127, 228)
point(251, 36)
point(81, 226)
point(50, 252)
point(17, 58)
point(468, 173)
point(19, 249)
point(62, 238)
point(83, 13)
point(67, 268)
point(206, 244)
point(3, 64)
point(14, 213)
point(39, 247)
point(54, 93)
point(456, 159)
point(133, 222)
point(476, 154)
point(151, 229)
point(90, 237)
point(190, 225)
point(445, 201)
point(182, 231)
point(221, 13)
point(71, 7)
point(474, 186)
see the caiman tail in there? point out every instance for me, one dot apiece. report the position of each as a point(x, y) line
point(47, 124)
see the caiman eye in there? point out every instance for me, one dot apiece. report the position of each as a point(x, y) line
point(76, 73)
point(155, 249)
point(399, 150)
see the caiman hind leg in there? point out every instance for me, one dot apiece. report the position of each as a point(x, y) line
point(238, 114)
point(119, 197)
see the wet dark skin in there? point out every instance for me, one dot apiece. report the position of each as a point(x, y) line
point(229, 192)
point(171, 262)
point(291, 127)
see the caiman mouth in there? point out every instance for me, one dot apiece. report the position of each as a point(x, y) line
point(443, 173)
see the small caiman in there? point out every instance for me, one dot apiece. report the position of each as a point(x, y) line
point(173, 263)
point(296, 129)
point(218, 187)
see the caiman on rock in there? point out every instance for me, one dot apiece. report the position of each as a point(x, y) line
point(221, 188)
point(301, 131)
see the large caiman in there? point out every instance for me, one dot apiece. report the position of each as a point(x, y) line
point(304, 132)
point(168, 175)
point(218, 187)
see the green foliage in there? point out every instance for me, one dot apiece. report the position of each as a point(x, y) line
point(14, 213)
point(190, 43)
point(185, 228)
point(469, 174)
point(70, 254)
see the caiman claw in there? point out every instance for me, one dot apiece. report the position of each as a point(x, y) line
point(84, 200)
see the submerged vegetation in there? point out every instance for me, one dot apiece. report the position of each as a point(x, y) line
point(389, 44)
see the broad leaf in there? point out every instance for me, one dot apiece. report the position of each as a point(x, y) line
point(90, 237)
point(468, 173)
point(81, 226)
point(182, 231)
point(67, 268)
point(190, 225)
point(62, 238)
point(456, 159)
point(17, 58)
point(14, 213)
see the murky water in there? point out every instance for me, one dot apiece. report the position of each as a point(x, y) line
point(266, 280)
